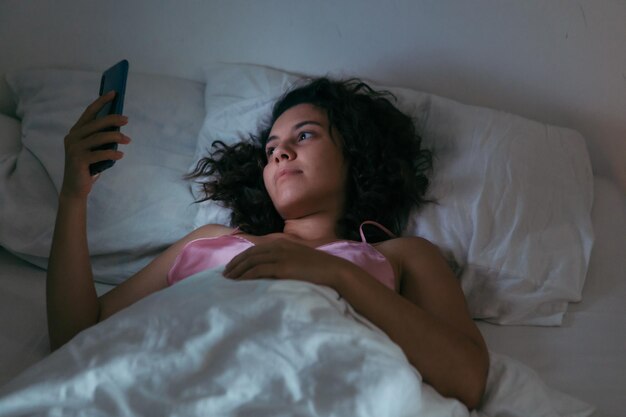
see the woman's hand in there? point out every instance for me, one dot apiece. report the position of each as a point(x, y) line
point(283, 259)
point(85, 135)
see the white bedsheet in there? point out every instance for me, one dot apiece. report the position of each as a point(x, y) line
point(213, 346)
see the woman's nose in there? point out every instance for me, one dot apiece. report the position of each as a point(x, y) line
point(283, 152)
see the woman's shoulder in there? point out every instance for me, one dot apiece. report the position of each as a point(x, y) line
point(417, 261)
point(408, 245)
point(409, 250)
point(209, 230)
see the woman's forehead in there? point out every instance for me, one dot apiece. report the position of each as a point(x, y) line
point(299, 113)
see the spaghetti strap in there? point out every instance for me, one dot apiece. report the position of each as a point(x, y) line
point(380, 226)
point(235, 231)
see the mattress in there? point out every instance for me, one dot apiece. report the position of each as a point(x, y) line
point(585, 357)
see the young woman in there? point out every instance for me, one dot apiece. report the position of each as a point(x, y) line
point(336, 160)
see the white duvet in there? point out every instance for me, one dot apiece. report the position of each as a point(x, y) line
point(209, 346)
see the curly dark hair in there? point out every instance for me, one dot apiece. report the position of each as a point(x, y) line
point(387, 167)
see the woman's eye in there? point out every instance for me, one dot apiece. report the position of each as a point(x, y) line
point(269, 151)
point(305, 135)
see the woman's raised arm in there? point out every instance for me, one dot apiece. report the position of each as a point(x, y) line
point(70, 293)
point(72, 301)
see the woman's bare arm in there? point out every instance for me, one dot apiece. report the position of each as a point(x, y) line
point(429, 320)
point(71, 300)
point(70, 293)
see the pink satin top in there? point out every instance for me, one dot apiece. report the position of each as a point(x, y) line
point(205, 253)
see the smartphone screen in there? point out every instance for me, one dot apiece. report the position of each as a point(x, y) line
point(114, 79)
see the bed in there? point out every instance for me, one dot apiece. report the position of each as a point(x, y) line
point(531, 214)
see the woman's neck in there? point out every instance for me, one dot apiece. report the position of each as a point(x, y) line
point(313, 229)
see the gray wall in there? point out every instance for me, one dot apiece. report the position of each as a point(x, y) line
point(557, 61)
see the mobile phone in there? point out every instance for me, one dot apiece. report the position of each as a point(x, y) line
point(114, 79)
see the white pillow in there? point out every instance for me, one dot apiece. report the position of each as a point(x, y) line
point(10, 129)
point(514, 196)
point(138, 207)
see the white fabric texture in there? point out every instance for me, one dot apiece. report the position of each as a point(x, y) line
point(513, 196)
point(213, 346)
point(139, 206)
point(10, 132)
point(514, 210)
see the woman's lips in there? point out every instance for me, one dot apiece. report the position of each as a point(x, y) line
point(287, 172)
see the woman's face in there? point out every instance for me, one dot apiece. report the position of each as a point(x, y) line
point(305, 172)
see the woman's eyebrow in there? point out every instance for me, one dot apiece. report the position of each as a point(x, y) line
point(296, 127)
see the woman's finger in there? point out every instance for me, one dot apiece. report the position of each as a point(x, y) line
point(237, 266)
point(100, 139)
point(95, 126)
point(83, 150)
point(103, 155)
point(92, 109)
point(258, 271)
point(247, 260)
point(78, 162)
